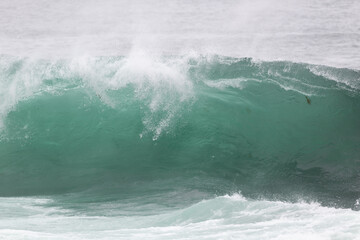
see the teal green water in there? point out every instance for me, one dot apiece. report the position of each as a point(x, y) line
point(112, 128)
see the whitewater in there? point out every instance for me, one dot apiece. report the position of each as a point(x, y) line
point(180, 119)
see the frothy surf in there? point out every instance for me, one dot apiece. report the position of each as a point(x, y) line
point(225, 217)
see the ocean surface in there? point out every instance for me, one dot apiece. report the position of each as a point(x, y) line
point(180, 119)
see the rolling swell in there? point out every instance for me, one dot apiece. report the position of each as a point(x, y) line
point(214, 124)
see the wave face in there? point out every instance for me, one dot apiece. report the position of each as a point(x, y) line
point(201, 125)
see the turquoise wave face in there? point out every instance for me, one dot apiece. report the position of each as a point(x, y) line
point(219, 125)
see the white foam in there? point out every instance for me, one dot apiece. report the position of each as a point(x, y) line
point(23, 83)
point(351, 83)
point(226, 217)
point(238, 83)
point(161, 85)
